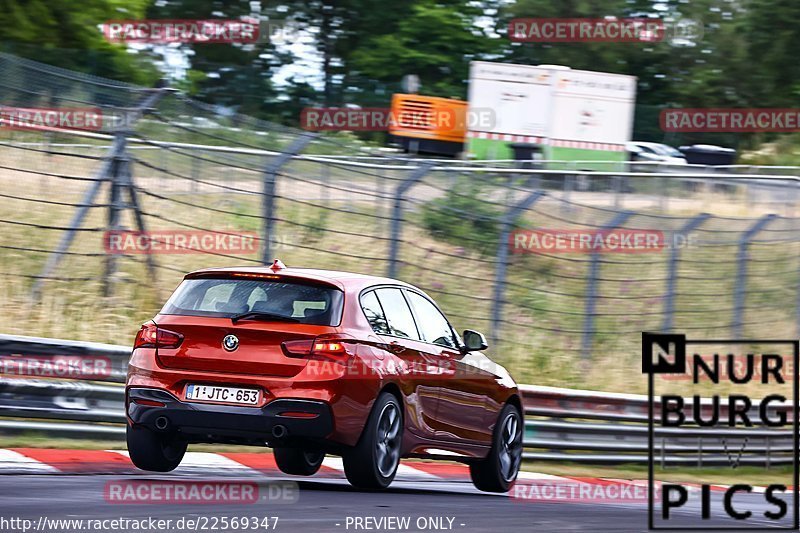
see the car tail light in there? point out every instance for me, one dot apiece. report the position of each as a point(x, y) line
point(149, 403)
point(298, 414)
point(333, 347)
point(151, 336)
point(298, 348)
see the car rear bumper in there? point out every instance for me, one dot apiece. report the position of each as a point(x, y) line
point(280, 419)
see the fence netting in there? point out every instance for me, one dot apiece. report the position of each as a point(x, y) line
point(334, 202)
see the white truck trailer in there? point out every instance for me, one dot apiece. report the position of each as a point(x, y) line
point(575, 115)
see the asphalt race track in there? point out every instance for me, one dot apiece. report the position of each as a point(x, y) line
point(323, 505)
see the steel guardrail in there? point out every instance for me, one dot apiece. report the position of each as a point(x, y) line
point(561, 424)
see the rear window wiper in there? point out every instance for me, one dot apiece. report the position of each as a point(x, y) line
point(262, 315)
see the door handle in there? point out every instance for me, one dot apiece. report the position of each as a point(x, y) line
point(396, 347)
point(448, 366)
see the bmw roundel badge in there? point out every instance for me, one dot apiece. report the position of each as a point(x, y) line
point(230, 342)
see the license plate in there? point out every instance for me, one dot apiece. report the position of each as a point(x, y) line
point(210, 393)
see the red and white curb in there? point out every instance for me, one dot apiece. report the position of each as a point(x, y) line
point(53, 461)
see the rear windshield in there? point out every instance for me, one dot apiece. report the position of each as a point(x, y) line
point(307, 304)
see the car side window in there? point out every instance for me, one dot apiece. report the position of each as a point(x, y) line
point(432, 324)
point(398, 315)
point(374, 313)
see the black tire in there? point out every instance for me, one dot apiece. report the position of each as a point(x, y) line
point(157, 452)
point(373, 462)
point(498, 471)
point(297, 461)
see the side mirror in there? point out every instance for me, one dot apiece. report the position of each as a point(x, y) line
point(474, 341)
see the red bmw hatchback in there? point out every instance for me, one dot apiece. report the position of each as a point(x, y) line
point(315, 362)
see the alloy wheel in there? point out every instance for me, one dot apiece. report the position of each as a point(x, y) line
point(388, 440)
point(510, 446)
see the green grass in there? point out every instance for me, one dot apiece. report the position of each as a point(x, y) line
point(785, 151)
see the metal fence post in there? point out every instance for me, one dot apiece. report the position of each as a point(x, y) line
point(591, 287)
point(796, 195)
point(741, 272)
point(617, 186)
point(699, 452)
point(77, 219)
point(663, 198)
point(768, 450)
point(116, 181)
point(569, 185)
point(506, 223)
point(109, 171)
point(162, 156)
point(138, 215)
point(268, 192)
point(380, 178)
point(672, 269)
point(195, 172)
point(397, 214)
point(325, 178)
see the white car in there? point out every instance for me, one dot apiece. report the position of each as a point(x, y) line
point(655, 152)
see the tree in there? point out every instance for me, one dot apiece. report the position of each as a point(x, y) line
point(68, 34)
point(235, 75)
point(772, 34)
point(338, 28)
point(436, 41)
point(710, 69)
